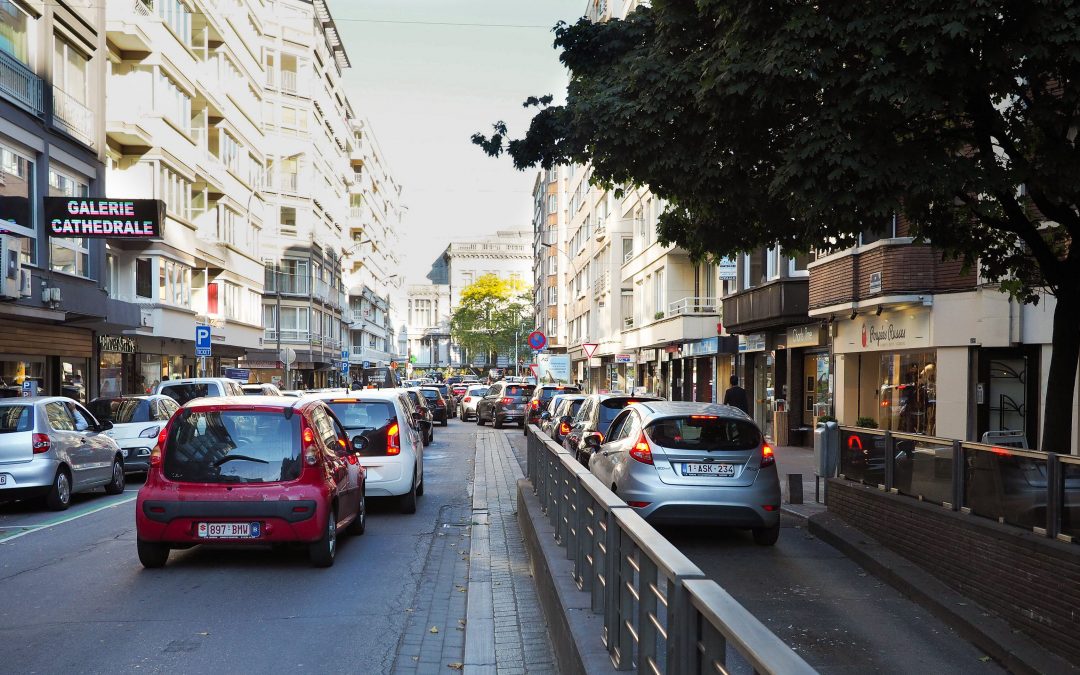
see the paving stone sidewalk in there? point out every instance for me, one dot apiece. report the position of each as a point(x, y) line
point(506, 633)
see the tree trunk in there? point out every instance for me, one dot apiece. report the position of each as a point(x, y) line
point(1061, 384)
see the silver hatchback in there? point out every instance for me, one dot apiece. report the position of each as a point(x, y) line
point(52, 446)
point(692, 463)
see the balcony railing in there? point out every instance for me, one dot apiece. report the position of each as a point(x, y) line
point(286, 284)
point(288, 81)
point(694, 305)
point(20, 84)
point(72, 116)
point(143, 7)
point(287, 335)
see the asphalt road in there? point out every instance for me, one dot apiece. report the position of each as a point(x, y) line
point(74, 598)
point(826, 607)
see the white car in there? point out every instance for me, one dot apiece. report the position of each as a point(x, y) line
point(189, 388)
point(467, 406)
point(136, 421)
point(263, 389)
point(386, 440)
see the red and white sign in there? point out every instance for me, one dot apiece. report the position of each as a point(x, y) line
point(589, 348)
point(534, 368)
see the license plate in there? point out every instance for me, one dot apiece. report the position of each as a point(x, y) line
point(228, 530)
point(721, 470)
point(3, 479)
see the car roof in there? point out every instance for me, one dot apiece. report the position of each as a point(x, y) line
point(247, 401)
point(660, 409)
point(358, 395)
point(128, 397)
point(31, 400)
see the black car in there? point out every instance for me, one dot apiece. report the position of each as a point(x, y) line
point(437, 404)
point(594, 417)
point(542, 396)
point(505, 402)
point(448, 397)
point(422, 413)
point(559, 416)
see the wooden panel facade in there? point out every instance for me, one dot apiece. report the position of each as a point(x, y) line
point(21, 338)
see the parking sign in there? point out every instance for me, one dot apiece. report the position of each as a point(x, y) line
point(202, 340)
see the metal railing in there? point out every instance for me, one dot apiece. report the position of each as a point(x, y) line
point(143, 7)
point(20, 84)
point(694, 305)
point(660, 613)
point(1036, 491)
point(72, 116)
point(288, 335)
point(286, 284)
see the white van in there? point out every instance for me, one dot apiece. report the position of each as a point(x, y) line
point(190, 388)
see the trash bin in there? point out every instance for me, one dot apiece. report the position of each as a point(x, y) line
point(826, 448)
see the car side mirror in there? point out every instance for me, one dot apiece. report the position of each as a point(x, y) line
point(545, 415)
point(359, 443)
point(104, 426)
point(592, 439)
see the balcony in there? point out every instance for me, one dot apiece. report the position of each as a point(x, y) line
point(773, 306)
point(694, 305)
point(288, 335)
point(73, 117)
point(20, 85)
point(286, 284)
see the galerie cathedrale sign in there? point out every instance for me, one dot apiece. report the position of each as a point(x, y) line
point(104, 218)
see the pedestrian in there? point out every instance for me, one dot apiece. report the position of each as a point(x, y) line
point(736, 396)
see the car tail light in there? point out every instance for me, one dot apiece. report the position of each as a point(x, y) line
point(535, 404)
point(564, 428)
point(468, 398)
point(769, 507)
point(641, 450)
point(311, 457)
point(42, 443)
point(440, 404)
point(638, 505)
point(155, 454)
point(767, 456)
point(507, 400)
point(393, 441)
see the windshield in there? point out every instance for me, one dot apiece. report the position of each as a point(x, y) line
point(188, 391)
point(705, 433)
point(121, 410)
point(233, 446)
point(15, 418)
point(517, 390)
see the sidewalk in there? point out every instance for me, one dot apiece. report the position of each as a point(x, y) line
point(793, 459)
point(505, 630)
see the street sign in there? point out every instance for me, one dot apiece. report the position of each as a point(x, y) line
point(242, 374)
point(287, 356)
point(393, 365)
point(589, 348)
point(535, 368)
point(344, 367)
point(202, 340)
point(344, 354)
point(27, 388)
point(537, 340)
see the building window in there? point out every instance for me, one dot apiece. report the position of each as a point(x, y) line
point(173, 102)
point(230, 152)
point(177, 16)
point(177, 192)
point(659, 297)
point(552, 326)
point(17, 195)
point(553, 295)
point(144, 278)
point(112, 275)
point(70, 255)
point(294, 323)
point(69, 69)
point(14, 31)
point(466, 279)
point(174, 283)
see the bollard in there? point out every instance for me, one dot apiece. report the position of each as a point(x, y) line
point(794, 488)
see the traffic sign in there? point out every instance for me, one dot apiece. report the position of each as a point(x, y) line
point(344, 367)
point(537, 340)
point(344, 354)
point(202, 340)
point(589, 348)
point(535, 368)
point(27, 388)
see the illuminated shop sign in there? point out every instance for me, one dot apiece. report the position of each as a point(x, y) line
point(104, 218)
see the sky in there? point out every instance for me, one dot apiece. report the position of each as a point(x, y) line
point(426, 88)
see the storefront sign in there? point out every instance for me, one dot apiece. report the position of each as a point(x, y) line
point(704, 347)
point(671, 349)
point(624, 358)
point(646, 355)
point(875, 282)
point(241, 374)
point(104, 218)
point(262, 364)
point(804, 336)
point(754, 342)
point(908, 329)
point(116, 343)
point(726, 266)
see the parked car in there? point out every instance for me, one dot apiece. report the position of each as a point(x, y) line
point(264, 389)
point(438, 405)
point(558, 418)
point(136, 421)
point(251, 470)
point(594, 417)
point(448, 398)
point(422, 413)
point(467, 404)
point(542, 396)
point(190, 388)
point(692, 463)
point(53, 447)
point(504, 402)
point(381, 429)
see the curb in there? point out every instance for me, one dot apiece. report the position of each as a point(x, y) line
point(1014, 650)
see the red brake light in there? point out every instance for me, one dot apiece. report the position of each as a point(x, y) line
point(641, 450)
point(703, 417)
point(468, 398)
point(507, 400)
point(309, 435)
point(564, 428)
point(767, 456)
point(42, 443)
point(311, 457)
point(393, 441)
point(535, 403)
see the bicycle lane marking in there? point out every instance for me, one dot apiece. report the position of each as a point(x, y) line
point(30, 529)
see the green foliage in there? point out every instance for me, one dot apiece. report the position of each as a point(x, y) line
point(866, 423)
point(489, 315)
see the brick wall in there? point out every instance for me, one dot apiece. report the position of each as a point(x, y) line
point(1030, 581)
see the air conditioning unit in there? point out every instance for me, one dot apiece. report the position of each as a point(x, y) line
point(10, 267)
point(25, 279)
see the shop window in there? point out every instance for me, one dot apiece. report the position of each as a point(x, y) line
point(70, 255)
point(13, 373)
point(144, 278)
point(908, 393)
point(17, 194)
point(74, 378)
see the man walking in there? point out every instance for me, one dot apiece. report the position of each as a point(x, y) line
point(736, 396)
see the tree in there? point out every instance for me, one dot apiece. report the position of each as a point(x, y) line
point(805, 124)
point(491, 312)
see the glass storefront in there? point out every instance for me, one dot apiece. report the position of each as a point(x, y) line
point(116, 375)
point(907, 393)
point(75, 378)
point(15, 371)
point(817, 393)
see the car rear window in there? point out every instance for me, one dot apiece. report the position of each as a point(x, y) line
point(233, 446)
point(188, 391)
point(705, 433)
point(15, 418)
point(546, 393)
point(433, 395)
point(252, 391)
point(518, 390)
point(478, 391)
point(121, 410)
point(610, 407)
point(371, 419)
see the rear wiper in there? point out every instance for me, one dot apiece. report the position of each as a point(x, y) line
point(229, 458)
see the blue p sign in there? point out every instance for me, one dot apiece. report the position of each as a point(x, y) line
point(202, 340)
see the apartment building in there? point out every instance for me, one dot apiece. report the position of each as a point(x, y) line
point(428, 328)
point(550, 257)
point(309, 140)
point(372, 259)
point(55, 307)
point(184, 125)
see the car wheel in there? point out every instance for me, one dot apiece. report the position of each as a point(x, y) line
point(496, 422)
point(420, 486)
point(479, 419)
point(59, 496)
point(116, 485)
point(152, 554)
point(766, 536)
point(444, 422)
point(323, 551)
point(408, 500)
point(359, 524)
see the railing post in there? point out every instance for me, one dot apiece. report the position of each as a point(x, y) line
point(623, 654)
point(1054, 495)
point(647, 604)
point(957, 475)
point(890, 457)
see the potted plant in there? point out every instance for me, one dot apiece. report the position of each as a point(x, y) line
point(866, 423)
point(659, 315)
point(826, 418)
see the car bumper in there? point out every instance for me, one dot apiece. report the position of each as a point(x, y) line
point(388, 479)
point(176, 522)
point(27, 477)
point(728, 506)
point(136, 454)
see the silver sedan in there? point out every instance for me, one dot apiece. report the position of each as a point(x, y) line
point(691, 463)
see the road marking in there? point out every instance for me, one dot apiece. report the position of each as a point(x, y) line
point(66, 519)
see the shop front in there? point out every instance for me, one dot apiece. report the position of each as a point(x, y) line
point(809, 394)
point(45, 360)
point(648, 372)
point(117, 366)
point(756, 368)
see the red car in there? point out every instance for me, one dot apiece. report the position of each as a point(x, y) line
point(251, 470)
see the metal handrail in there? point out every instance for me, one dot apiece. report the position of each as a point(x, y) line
point(21, 84)
point(694, 305)
point(660, 613)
